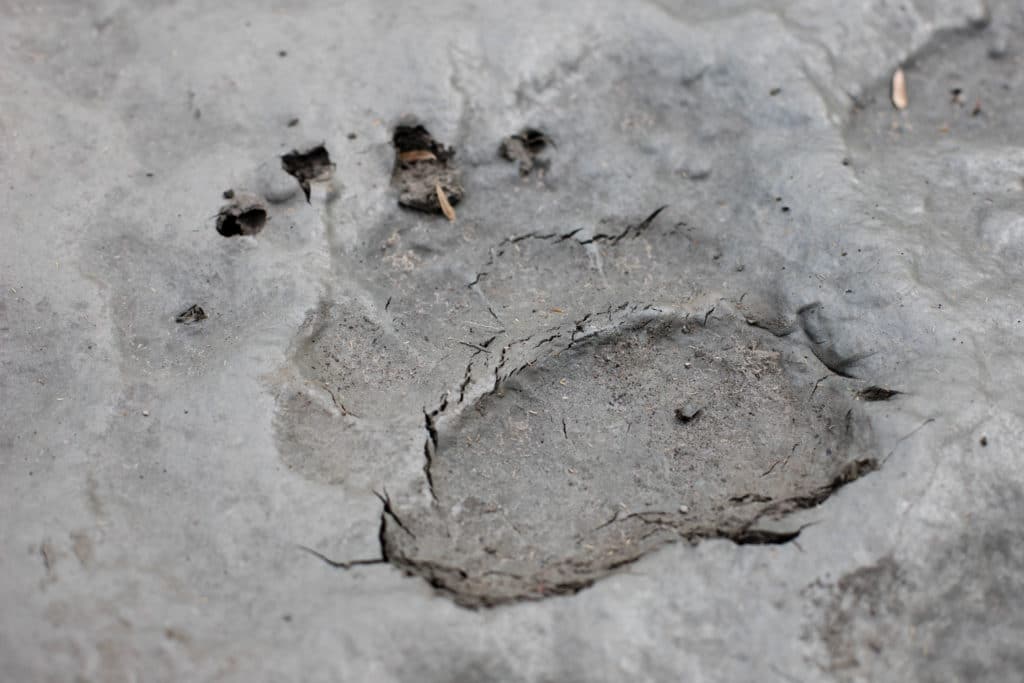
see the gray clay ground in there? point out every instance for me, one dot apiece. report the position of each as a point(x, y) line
point(714, 376)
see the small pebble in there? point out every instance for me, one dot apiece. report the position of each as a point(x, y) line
point(145, 413)
point(684, 509)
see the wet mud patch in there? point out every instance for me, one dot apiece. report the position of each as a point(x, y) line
point(576, 462)
point(309, 166)
point(424, 173)
point(245, 214)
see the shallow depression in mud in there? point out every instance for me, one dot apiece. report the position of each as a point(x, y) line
point(655, 429)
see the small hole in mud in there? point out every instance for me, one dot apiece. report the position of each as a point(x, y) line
point(309, 166)
point(525, 147)
point(876, 393)
point(424, 170)
point(192, 314)
point(687, 413)
point(243, 216)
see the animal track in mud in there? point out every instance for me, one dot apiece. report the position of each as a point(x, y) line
point(577, 463)
point(309, 166)
point(424, 170)
point(245, 214)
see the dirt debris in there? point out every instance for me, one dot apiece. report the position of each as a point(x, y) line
point(245, 214)
point(424, 172)
point(876, 393)
point(688, 412)
point(526, 147)
point(310, 166)
point(192, 314)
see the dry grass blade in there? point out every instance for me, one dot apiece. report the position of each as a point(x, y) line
point(899, 90)
point(416, 155)
point(442, 199)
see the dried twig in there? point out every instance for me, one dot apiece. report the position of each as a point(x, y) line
point(442, 199)
point(416, 155)
point(899, 90)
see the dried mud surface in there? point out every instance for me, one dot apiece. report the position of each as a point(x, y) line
point(696, 362)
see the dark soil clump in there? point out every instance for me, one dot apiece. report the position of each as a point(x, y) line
point(526, 147)
point(243, 215)
point(311, 165)
point(423, 170)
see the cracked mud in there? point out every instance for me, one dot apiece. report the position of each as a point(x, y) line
point(378, 392)
point(576, 463)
